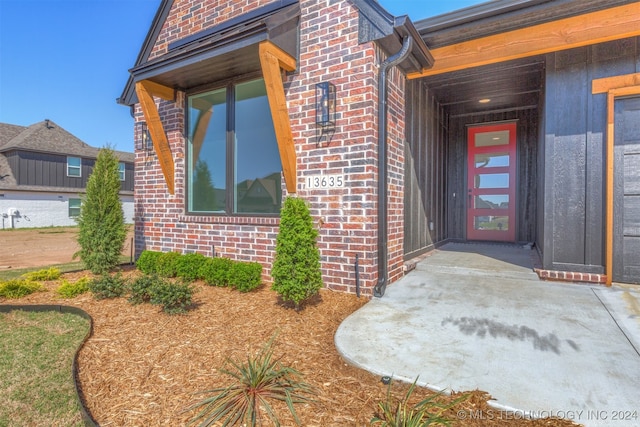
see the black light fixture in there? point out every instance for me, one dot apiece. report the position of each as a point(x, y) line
point(325, 111)
point(143, 137)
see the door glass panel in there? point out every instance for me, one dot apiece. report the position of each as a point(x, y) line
point(497, 201)
point(490, 222)
point(491, 180)
point(487, 139)
point(492, 160)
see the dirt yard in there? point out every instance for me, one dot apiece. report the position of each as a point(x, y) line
point(29, 247)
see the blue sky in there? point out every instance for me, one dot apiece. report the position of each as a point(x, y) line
point(68, 60)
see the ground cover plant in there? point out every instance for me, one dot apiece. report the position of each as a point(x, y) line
point(73, 289)
point(36, 350)
point(18, 288)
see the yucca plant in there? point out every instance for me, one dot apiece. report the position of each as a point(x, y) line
point(258, 383)
point(399, 413)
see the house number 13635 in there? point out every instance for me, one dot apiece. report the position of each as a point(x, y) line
point(325, 181)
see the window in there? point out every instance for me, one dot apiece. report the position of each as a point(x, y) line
point(74, 207)
point(121, 170)
point(74, 166)
point(233, 158)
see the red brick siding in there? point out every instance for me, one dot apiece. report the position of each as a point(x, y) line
point(346, 217)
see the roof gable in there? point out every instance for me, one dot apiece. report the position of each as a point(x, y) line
point(8, 132)
point(47, 137)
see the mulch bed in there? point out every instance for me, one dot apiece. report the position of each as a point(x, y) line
point(142, 367)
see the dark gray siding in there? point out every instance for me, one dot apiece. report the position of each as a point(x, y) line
point(574, 147)
point(50, 171)
point(425, 171)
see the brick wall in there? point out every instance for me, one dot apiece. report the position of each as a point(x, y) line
point(346, 217)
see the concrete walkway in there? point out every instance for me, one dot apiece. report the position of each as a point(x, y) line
point(475, 316)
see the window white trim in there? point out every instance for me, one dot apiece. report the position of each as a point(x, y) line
point(122, 171)
point(74, 170)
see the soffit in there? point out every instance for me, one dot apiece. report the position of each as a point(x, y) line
point(500, 16)
point(509, 85)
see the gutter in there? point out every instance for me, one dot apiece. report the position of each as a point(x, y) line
point(392, 61)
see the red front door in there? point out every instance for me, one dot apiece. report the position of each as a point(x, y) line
point(491, 182)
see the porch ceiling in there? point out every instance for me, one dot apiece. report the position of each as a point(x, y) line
point(509, 85)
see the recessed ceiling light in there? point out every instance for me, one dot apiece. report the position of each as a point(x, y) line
point(484, 101)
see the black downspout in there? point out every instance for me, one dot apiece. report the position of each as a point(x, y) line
point(383, 270)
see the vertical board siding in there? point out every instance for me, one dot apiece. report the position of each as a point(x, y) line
point(50, 170)
point(425, 168)
point(574, 144)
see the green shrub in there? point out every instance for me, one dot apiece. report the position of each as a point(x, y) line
point(296, 267)
point(188, 266)
point(18, 288)
point(246, 276)
point(174, 298)
point(45, 274)
point(73, 289)
point(141, 288)
point(216, 271)
point(102, 229)
point(167, 264)
point(255, 386)
point(148, 262)
point(108, 286)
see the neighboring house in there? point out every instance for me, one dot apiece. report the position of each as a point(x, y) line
point(43, 175)
point(513, 121)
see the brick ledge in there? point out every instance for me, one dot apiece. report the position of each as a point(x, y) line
point(571, 276)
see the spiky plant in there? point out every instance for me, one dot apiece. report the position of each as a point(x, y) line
point(395, 412)
point(257, 384)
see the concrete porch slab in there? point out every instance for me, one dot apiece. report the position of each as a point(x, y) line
point(477, 317)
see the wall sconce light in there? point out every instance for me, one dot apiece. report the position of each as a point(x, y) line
point(143, 137)
point(325, 111)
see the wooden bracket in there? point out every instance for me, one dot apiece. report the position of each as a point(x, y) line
point(272, 60)
point(145, 90)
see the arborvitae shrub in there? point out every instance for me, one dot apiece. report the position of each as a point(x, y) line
point(73, 289)
point(101, 220)
point(167, 264)
point(147, 262)
point(246, 276)
point(108, 286)
point(296, 268)
point(188, 266)
point(216, 271)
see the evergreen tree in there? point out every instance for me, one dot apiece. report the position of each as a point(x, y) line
point(101, 221)
point(204, 190)
point(296, 268)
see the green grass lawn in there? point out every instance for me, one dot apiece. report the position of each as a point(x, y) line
point(36, 381)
